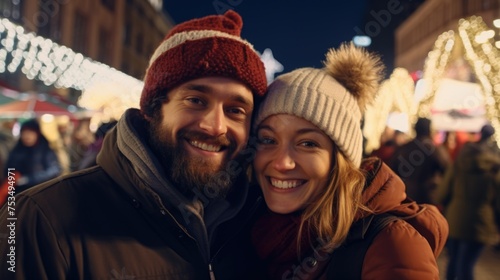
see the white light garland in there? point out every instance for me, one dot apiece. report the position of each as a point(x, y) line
point(53, 64)
point(434, 68)
point(104, 88)
point(485, 62)
point(394, 95)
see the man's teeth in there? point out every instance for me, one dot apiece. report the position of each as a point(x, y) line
point(205, 146)
point(285, 184)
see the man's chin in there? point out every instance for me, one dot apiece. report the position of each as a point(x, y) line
point(204, 166)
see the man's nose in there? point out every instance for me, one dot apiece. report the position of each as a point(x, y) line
point(214, 123)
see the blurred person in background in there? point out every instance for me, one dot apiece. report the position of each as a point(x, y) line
point(7, 142)
point(90, 155)
point(387, 147)
point(470, 197)
point(420, 163)
point(450, 144)
point(32, 157)
point(81, 139)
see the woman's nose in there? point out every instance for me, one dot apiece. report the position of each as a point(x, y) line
point(284, 160)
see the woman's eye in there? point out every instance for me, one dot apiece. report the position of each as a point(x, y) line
point(310, 144)
point(265, 141)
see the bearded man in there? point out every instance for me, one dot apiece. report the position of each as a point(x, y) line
point(169, 197)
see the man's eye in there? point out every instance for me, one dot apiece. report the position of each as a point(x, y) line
point(237, 111)
point(195, 100)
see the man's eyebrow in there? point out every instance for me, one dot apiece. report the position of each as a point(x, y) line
point(241, 99)
point(207, 89)
point(197, 87)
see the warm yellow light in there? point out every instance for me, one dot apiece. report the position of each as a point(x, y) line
point(47, 118)
point(481, 38)
point(496, 23)
point(489, 33)
point(394, 95)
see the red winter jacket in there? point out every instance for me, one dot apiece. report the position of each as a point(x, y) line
point(402, 250)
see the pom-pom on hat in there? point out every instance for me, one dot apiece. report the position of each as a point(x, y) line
point(332, 98)
point(204, 47)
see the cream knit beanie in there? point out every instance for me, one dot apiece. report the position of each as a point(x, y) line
point(332, 98)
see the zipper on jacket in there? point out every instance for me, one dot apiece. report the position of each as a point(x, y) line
point(164, 211)
point(211, 271)
point(250, 215)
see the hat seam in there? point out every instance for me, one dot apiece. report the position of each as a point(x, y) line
point(182, 37)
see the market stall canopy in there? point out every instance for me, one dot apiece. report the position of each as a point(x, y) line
point(31, 105)
point(7, 95)
point(5, 99)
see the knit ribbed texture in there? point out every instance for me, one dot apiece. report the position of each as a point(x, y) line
point(314, 95)
point(206, 47)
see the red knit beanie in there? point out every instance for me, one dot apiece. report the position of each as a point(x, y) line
point(204, 47)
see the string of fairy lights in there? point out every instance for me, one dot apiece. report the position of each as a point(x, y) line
point(395, 95)
point(392, 92)
point(434, 68)
point(484, 58)
point(59, 66)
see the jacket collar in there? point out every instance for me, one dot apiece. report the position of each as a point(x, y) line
point(126, 156)
point(384, 190)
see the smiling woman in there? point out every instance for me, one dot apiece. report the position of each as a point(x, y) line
point(293, 161)
point(317, 188)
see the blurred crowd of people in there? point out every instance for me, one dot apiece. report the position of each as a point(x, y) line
point(459, 172)
point(34, 159)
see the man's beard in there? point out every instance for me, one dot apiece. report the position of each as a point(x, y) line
point(186, 172)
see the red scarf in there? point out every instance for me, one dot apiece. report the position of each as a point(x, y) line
point(275, 238)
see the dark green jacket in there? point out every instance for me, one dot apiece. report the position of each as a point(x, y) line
point(470, 194)
point(123, 220)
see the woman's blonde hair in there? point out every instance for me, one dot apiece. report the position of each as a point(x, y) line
point(331, 215)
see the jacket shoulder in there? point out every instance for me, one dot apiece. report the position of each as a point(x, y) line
point(347, 260)
point(399, 251)
point(86, 179)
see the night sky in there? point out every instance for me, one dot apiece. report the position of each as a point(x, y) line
point(298, 32)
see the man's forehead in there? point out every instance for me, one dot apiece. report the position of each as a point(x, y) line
point(230, 88)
